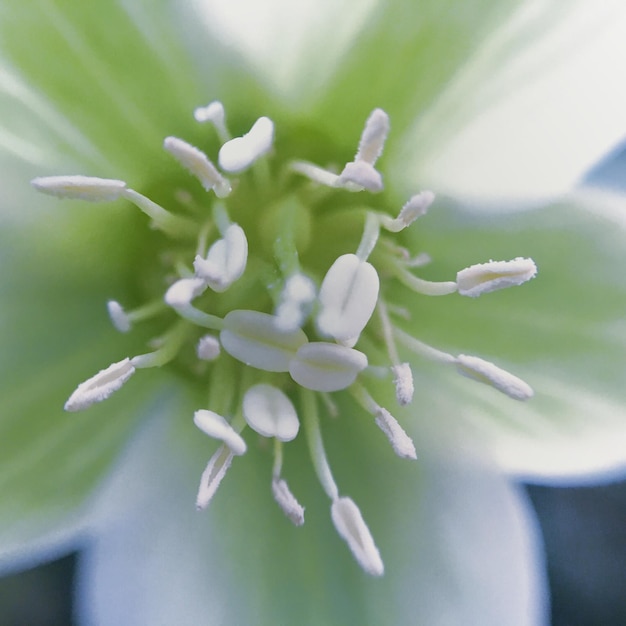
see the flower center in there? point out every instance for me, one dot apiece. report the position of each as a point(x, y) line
point(274, 274)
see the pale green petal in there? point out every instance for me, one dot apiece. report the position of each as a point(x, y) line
point(563, 333)
point(459, 542)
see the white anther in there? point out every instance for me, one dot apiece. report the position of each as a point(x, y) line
point(80, 187)
point(225, 261)
point(373, 137)
point(118, 316)
point(198, 164)
point(208, 348)
point(214, 425)
point(213, 475)
point(486, 372)
point(401, 443)
point(403, 380)
point(287, 502)
point(258, 340)
point(482, 278)
point(361, 175)
point(101, 386)
point(350, 525)
point(415, 207)
point(183, 291)
point(323, 366)
point(239, 153)
point(212, 112)
point(347, 297)
point(296, 301)
point(269, 412)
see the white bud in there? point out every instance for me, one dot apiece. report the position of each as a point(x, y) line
point(482, 278)
point(183, 291)
point(100, 386)
point(269, 412)
point(401, 443)
point(226, 260)
point(80, 187)
point(415, 207)
point(403, 380)
point(323, 366)
point(486, 372)
point(347, 297)
point(198, 164)
point(213, 475)
point(208, 348)
point(118, 316)
point(350, 525)
point(239, 153)
point(287, 502)
point(257, 339)
point(214, 425)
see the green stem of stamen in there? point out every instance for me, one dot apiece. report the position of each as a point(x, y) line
point(425, 287)
point(370, 236)
point(278, 458)
point(172, 342)
point(147, 311)
point(422, 349)
point(200, 318)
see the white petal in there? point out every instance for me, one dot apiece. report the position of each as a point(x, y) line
point(269, 412)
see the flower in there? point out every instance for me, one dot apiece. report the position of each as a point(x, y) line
point(100, 121)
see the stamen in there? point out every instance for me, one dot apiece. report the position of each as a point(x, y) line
point(424, 287)
point(352, 528)
point(179, 297)
point(269, 412)
point(494, 376)
point(362, 175)
point(217, 427)
point(239, 153)
point(373, 137)
point(213, 476)
point(208, 348)
point(287, 501)
point(483, 278)
point(101, 386)
point(257, 339)
point(323, 366)
point(403, 380)
point(414, 208)
point(214, 113)
point(422, 349)
point(198, 164)
point(296, 301)
point(118, 316)
point(80, 187)
point(169, 346)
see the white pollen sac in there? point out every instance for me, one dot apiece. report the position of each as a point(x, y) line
point(239, 153)
point(347, 297)
point(213, 475)
point(352, 528)
point(214, 425)
point(212, 112)
point(183, 291)
point(373, 137)
point(287, 501)
point(198, 164)
point(269, 412)
point(362, 175)
point(226, 260)
point(323, 366)
point(208, 348)
point(78, 187)
point(118, 316)
point(486, 372)
point(101, 386)
point(401, 443)
point(482, 278)
point(416, 206)
point(403, 380)
point(296, 301)
point(257, 339)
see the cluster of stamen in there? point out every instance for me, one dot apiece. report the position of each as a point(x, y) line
point(308, 340)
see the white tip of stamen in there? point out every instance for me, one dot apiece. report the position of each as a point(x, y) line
point(214, 425)
point(226, 260)
point(208, 348)
point(359, 175)
point(403, 380)
point(494, 376)
point(183, 291)
point(347, 297)
point(287, 502)
point(257, 339)
point(296, 301)
point(322, 366)
point(239, 153)
point(373, 137)
point(80, 187)
point(213, 475)
point(482, 278)
point(415, 207)
point(212, 112)
point(401, 443)
point(269, 412)
point(351, 526)
point(198, 164)
point(118, 316)
point(100, 386)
